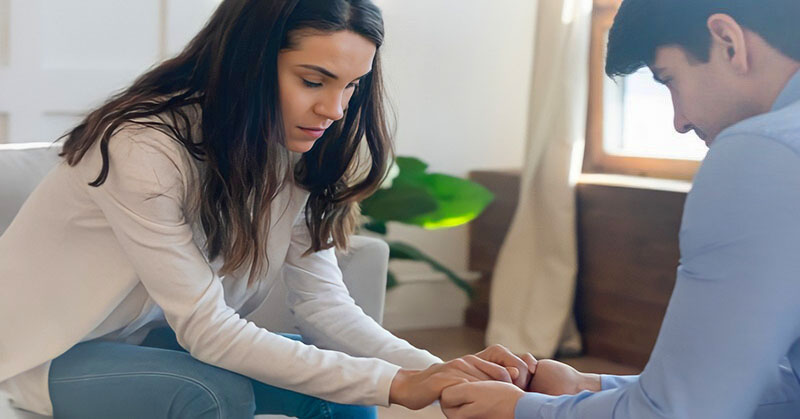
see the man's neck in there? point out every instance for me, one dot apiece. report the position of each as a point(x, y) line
point(784, 74)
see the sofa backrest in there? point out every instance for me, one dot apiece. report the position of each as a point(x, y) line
point(22, 167)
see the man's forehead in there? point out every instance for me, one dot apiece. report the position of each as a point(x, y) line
point(667, 56)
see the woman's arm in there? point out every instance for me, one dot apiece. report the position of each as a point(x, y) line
point(326, 314)
point(143, 200)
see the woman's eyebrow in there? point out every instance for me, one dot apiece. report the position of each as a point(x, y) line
point(326, 72)
point(321, 70)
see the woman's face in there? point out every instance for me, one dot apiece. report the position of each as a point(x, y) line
point(317, 78)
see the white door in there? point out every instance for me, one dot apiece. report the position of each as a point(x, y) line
point(61, 58)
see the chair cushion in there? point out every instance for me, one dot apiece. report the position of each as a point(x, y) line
point(22, 167)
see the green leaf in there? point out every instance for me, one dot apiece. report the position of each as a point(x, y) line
point(375, 227)
point(459, 201)
point(411, 165)
point(404, 251)
point(428, 200)
point(398, 203)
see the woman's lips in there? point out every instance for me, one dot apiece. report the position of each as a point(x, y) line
point(313, 132)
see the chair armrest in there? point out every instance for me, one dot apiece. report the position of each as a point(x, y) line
point(22, 167)
point(364, 269)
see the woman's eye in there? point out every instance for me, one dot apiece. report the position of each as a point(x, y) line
point(352, 85)
point(311, 83)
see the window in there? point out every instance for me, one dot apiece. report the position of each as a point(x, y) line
point(630, 129)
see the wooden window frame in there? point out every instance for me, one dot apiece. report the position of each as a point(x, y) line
point(596, 159)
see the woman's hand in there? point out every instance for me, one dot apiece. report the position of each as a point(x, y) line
point(520, 367)
point(556, 378)
point(416, 389)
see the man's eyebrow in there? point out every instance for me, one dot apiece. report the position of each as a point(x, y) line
point(657, 75)
point(320, 70)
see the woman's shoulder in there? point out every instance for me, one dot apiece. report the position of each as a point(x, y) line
point(144, 138)
point(145, 154)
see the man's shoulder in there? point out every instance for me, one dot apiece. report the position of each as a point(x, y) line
point(781, 126)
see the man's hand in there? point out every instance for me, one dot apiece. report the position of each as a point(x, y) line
point(556, 378)
point(521, 368)
point(417, 389)
point(486, 399)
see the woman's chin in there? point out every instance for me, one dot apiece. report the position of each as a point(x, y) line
point(299, 146)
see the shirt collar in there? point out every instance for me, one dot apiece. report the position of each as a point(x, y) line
point(790, 93)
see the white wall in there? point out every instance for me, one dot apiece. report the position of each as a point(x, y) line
point(458, 73)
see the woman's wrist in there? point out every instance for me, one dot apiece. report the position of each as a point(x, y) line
point(398, 387)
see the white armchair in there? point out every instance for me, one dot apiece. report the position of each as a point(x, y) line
point(364, 266)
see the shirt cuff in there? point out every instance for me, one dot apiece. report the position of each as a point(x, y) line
point(610, 382)
point(384, 387)
point(530, 406)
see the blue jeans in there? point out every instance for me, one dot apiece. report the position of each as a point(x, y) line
point(161, 380)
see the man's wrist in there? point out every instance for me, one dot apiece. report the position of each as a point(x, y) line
point(530, 405)
point(590, 382)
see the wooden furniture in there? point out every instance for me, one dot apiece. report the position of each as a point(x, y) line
point(628, 255)
point(486, 235)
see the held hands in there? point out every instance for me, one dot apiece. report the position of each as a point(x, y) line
point(488, 384)
point(498, 400)
point(525, 364)
point(417, 389)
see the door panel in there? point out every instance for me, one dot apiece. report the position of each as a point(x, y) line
point(62, 58)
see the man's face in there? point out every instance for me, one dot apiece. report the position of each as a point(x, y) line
point(705, 97)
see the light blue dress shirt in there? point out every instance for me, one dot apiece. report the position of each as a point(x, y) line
point(729, 346)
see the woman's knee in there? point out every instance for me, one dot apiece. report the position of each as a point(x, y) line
point(113, 377)
point(220, 390)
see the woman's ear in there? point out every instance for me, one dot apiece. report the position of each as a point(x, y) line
point(728, 36)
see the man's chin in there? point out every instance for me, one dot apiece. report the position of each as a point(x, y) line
point(708, 139)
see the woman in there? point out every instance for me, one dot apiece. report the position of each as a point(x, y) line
point(181, 200)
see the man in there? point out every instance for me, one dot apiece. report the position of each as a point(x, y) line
point(729, 346)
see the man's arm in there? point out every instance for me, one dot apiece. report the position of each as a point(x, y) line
point(734, 313)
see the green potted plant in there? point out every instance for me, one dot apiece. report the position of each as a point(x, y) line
point(411, 195)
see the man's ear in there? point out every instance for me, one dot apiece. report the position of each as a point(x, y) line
point(728, 37)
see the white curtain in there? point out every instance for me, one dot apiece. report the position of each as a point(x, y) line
point(533, 286)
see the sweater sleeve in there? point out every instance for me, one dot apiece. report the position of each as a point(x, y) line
point(143, 200)
point(329, 317)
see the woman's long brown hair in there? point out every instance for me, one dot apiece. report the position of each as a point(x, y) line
point(229, 71)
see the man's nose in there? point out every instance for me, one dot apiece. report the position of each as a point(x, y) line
point(682, 125)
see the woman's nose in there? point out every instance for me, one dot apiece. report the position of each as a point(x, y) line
point(331, 107)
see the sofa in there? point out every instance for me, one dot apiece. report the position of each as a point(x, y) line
point(364, 266)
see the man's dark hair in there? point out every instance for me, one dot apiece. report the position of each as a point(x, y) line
point(643, 26)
